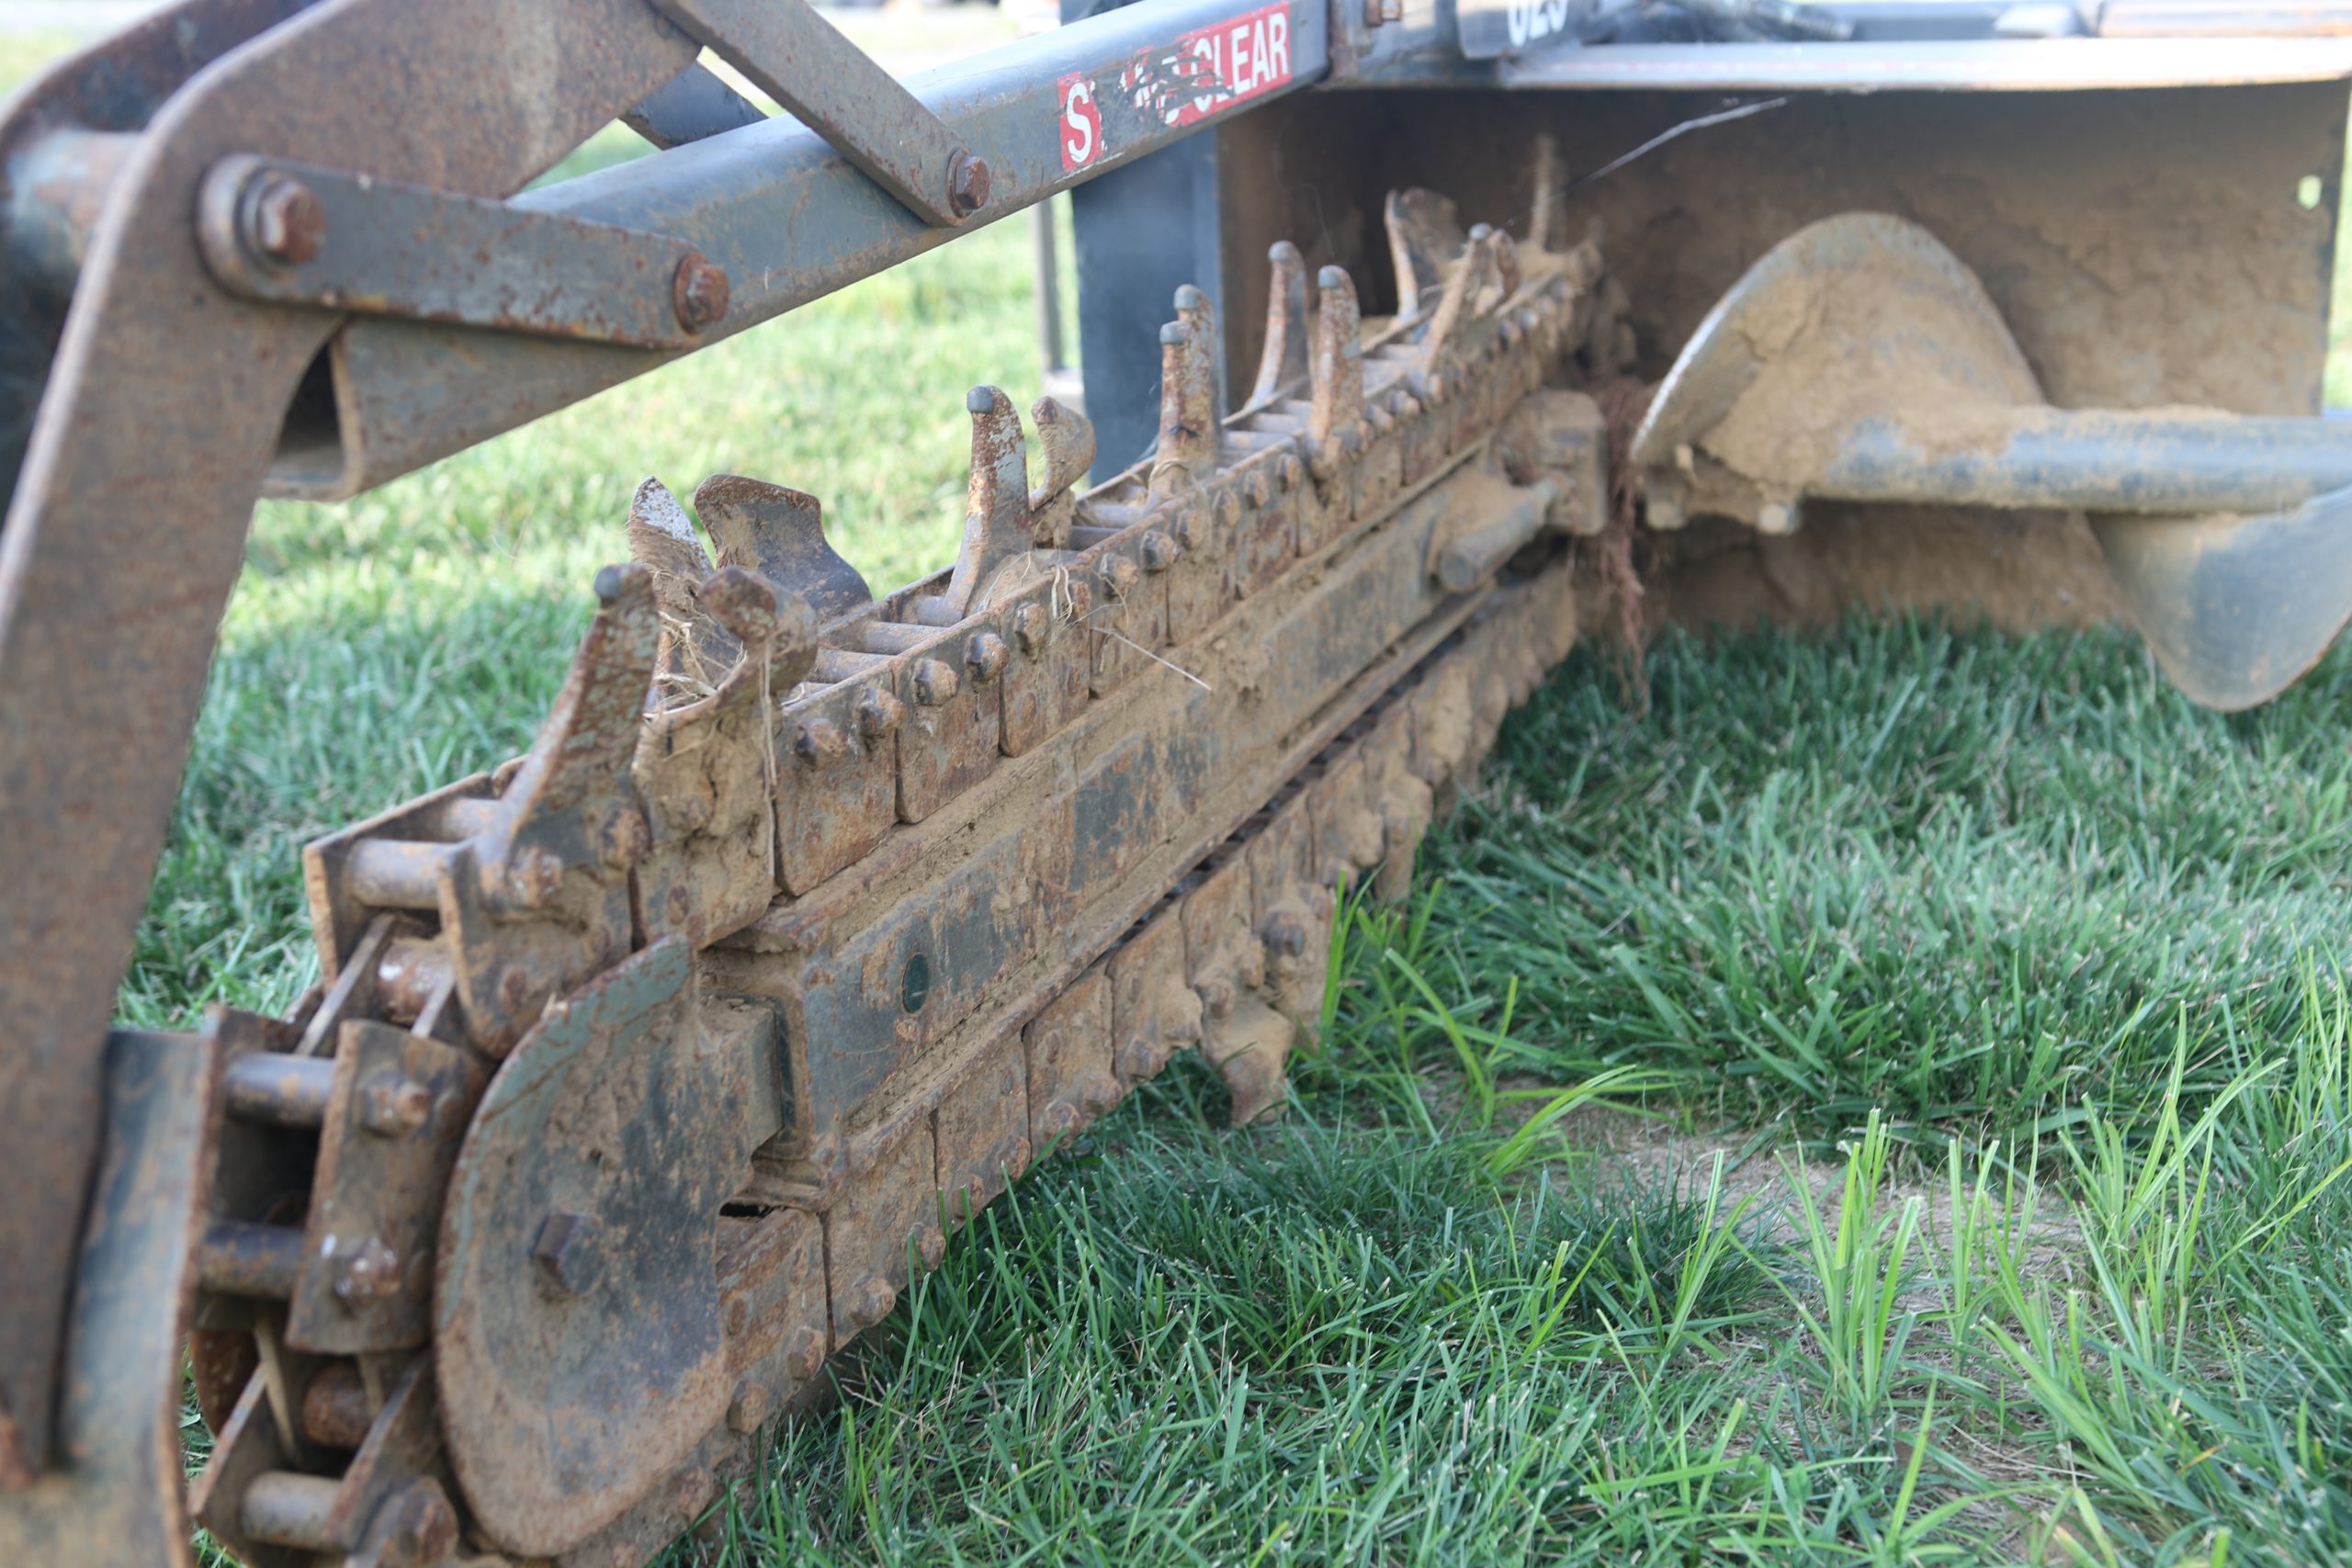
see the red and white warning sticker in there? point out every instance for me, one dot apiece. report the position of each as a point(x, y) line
point(1203, 73)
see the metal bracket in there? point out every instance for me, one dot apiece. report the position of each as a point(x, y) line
point(299, 233)
point(803, 62)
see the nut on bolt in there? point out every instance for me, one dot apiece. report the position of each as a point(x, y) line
point(967, 183)
point(284, 222)
point(699, 292)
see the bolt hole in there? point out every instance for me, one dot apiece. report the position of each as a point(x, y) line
point(2308, 191)
point(914, 984)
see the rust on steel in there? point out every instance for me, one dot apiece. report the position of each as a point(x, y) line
point(645, 1067)
point(647, 1071)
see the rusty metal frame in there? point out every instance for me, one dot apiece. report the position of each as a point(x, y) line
point(126, 517)
point(126, 520)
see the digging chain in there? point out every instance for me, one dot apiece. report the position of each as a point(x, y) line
point(648, 1069)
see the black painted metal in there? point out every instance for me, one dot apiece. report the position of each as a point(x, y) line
point(1141, 232)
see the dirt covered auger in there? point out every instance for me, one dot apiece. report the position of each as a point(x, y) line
point(646, 1071)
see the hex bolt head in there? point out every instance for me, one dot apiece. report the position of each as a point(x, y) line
point(879, 714)
point(988, 655)
point(819, 742)
point(804, 1354)
point(565, 1255)
point(936, 682)
point(871, 1302)
point(284, 223)
point(699, 292)
point(393, 1105)
point(749, 1410)
point(368, 1273)
point(1216, 995)
point(967, 183)
point(1286, 933)
point(1032, 628)
point(1160, 551)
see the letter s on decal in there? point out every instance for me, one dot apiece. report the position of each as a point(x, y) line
point(1082, 123)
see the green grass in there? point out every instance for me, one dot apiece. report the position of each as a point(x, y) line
point(1890, 1103)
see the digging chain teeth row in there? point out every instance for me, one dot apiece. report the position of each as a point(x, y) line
point(652, 1065)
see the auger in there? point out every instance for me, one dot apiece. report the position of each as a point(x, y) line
point(647, 1069)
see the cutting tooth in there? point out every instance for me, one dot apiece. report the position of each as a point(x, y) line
point(1288, 330)
point(1205, 383)
point(996, 506)
point(1504, 252)
point(593, 729)
point(1188, 401)
point(1424, 238)
point(780, 534)
point(1339, 369)
point(695, 650)
point(1066, 441)
point(1441, 343)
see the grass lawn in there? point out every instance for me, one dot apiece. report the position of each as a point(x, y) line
point(1890, 1102)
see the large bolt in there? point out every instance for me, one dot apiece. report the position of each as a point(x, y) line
point(284, 223)
point(1032, 628)
point(988, 655)
point(879, 714)
point(748, 1411)
point(819, 742)
point(967, 183)
point(804, 1354)
point(699, 292)
point(936, 682)
point(1160, 551)
point(871, 1302)
point(393, 1105)
point(1286, 933)
point(564, 1255)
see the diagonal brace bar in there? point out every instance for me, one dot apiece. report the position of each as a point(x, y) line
point(829, 84)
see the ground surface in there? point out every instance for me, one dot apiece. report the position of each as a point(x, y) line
point(1887, 1102)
